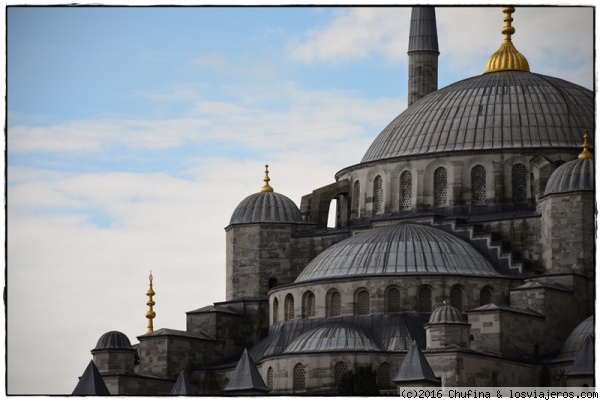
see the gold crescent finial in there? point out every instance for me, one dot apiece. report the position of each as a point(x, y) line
point(150, 314)
point(507, 58)
point(586, 147)
point(266, 179)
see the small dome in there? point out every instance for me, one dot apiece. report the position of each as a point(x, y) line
point(113, 340)
point(446, 315)
point(266, 207)
point(337, 336)
point(575, 340)
point(403, 249)
point(572, 176)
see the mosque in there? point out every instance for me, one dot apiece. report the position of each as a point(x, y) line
point(463, 254)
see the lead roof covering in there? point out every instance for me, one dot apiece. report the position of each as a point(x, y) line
point(571, 176)
point(266, 207)
point(500, 110)
point(403, 249)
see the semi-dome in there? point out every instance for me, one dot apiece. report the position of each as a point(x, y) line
point(337, 336)
point(575, 340)
point(403, 249)
point(266, 206)
point(446, 314)
point(573, 175)
point(113, 340)
point(501, 110)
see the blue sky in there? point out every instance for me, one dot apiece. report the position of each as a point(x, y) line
point(133, 133)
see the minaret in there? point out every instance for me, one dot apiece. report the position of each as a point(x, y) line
point(422, 54)
point(150, 314)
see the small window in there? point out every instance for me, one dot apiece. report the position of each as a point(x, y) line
point(519, 184)
point(275, 310)
point(356, 199)
point(485, 296)
point(339, 370)
point(378, 194)
point(270, 378)
point(335, 304)
point(309, 304)
point(440, 187)
point(299, 378)
point(424, 299)
point(456, 298)
point(289, 307)
point(406, 191)
point(383, 376)
point(393, 300)
point(272, 283)
point(478, 190)
point(363, 303)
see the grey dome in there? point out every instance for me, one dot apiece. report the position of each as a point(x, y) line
point(337, 336)
point(494, 111)
point(113, 340)
point(403, 249)
point(575, 340)
point(446, 314)
point(266, 207)
point(571, 176)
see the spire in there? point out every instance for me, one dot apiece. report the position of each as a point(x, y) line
point(507, 57)
point(266, 179)
point(150, 314)
point(246, 377)
point(423, 53)
point(182, 386)
point(91, 383)
point(415, 367)
point(586, 154)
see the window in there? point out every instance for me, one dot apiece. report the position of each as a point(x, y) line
point(383, 376)
point(456, 298)
point(334, 304)
point(424, 299)
point(406, 190)
point(378, 194)
point(519, 184)
point(272, 283)
point(356, 198)
point(299, 378)
point(289, 307)
point(478, 185)
point(440, 187)
point(339, 370)
point(363, 303)
point(485, 296)
point(393, 300)
point(275, 310)
point(270, 378)
point(309, 305)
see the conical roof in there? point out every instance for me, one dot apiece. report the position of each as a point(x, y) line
point(584, 363)
point(415, 367)
point(182, 386)
point(91, 383)
point(246, 376)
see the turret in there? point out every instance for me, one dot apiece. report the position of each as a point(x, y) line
point(423, 54)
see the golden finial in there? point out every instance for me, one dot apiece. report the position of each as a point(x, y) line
point(507, 57)
point(150, 314)
point(586, 147)
point(266, 179)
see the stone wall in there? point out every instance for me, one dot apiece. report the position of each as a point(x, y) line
point(114, 360)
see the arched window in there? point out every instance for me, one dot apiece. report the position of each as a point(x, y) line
point(270, 378)
point(339, 370)
point(378, 195)
point(275, 310)
point(383, 376)
point(406, 190)
point(485, 296)
point(272, 283)
point(289, 307)
point(299, 378)
point(456, 298)
point(356, 199)
point(440, 187)
point(519, 184)
point(308, 305)
point(363, 303)
point(424, 299)
point(334, 304)
point(393, 300)
point(478, 193)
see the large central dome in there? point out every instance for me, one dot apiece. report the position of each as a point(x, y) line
point(495, 111)
point(403, 249)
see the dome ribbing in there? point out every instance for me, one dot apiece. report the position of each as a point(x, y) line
point(572, 176)
point(446, 314)
point(266, 207)
point(113, 340)
point(338, 336)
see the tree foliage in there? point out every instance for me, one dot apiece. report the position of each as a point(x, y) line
point(360, 382)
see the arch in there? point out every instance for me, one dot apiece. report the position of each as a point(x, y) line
point(485, 295)
point(456, 297)
point(378, 195)
point(478, 185)
point(519, 183)
point(272, 283)
point(275, 311)
point(339, 370)
point(356, 200)
point(334, 303)
point(363, 302)
point(406, 191)
point(332, 215)
point(440, 187)
point(424, 302)
point(270, 378)
point(392, 300)
point(299, 377)
point(384, 375)
point(288, 307)
point(308, 304)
